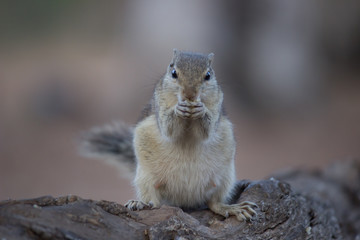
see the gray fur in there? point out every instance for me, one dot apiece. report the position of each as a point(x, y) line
point(113, 141)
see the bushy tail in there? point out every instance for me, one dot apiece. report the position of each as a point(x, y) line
point(236, 191)
point(112, 142)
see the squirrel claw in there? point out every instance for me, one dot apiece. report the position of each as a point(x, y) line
point(138, 205)
point(243, 211)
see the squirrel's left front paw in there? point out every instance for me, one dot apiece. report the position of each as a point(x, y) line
point(190, 110)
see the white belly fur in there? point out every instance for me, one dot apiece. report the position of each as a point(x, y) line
point(191, 182)
point(178, 175)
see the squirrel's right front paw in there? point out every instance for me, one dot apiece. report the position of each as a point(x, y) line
point(138, 205)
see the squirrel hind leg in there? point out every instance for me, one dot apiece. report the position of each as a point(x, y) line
point(243, 211)
point(138, 205)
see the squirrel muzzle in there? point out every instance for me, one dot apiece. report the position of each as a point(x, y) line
point(190, 94)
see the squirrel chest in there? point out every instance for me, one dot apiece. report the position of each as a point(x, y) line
point(183, 175)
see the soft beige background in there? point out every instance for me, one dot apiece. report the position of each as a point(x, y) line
point(289, 70)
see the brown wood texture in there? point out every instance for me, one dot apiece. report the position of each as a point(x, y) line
point(323, 204)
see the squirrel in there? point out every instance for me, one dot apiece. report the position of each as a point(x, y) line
point(182, 150)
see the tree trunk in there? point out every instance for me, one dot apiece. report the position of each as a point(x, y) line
point(292, 205)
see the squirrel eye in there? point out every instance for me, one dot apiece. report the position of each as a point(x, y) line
point(174, 73)
point(207, 76)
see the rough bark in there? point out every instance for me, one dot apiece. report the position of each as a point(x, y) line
point(317, 205)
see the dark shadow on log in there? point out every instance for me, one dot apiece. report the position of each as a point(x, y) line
point(318, 205)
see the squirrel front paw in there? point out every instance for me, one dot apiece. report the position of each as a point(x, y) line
point(190, 110)
point(138, 205)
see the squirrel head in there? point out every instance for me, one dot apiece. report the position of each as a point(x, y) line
point(190, 75)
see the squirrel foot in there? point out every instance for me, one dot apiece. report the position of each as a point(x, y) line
point(187, 110)
point(138, 205)
point(243, 211)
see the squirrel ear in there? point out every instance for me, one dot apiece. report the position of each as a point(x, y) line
point(176, 52)
point(211, 58)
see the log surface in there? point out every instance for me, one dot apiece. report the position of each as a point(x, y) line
point(292, 205)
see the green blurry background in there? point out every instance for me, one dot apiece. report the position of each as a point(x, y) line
point(289, 70)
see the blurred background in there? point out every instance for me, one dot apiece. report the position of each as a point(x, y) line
point(289, 70)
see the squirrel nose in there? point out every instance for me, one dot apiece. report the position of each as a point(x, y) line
point(189, 94)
